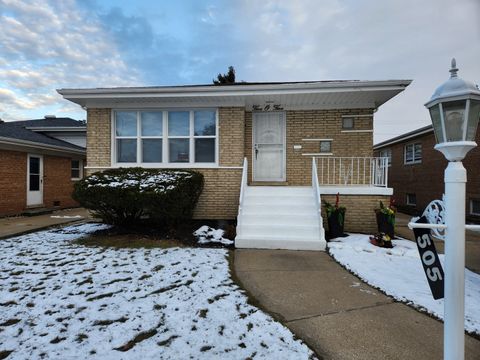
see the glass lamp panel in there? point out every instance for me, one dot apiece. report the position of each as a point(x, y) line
point(437, 123)
point(178, 123)
point(453, 115)
point(126, 123)
point(179, 150)
point(152, 123)
point(204, 122)
point(152, 150)
point(473, 117)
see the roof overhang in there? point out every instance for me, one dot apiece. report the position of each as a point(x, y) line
point(308, 95)
point(24, 145)
point(407, 136)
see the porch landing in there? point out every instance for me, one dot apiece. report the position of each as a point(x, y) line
point(280, 217)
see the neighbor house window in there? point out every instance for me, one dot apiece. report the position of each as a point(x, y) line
point(76, 169)
point(326, 146)
point(348, 123)
point(387, 153)
point(411, 199)
point(475, 207)
point(413, 153)
point(166, 137)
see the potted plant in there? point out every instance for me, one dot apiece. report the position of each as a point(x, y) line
point(335, 217)
point(386, 218)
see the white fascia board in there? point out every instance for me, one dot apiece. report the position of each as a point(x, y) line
point(389, 143)
point(31, 144)
point(355, 190)
point(236, 90)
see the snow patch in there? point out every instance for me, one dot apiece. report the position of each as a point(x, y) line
point(208, 235)
point(399, 273)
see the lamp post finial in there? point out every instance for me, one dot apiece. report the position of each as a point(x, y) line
point(454, 69)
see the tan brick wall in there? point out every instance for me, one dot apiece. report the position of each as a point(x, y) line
point(231, 135)
point(98, 138)
point(317, 124)
point(360, 214)
point(57, 185)
point(219, 199)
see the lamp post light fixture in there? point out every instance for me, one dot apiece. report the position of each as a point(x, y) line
point(455, 112)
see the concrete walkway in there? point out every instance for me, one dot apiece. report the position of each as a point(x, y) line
point(472, 242)
point(339, 316)
point(17, 225)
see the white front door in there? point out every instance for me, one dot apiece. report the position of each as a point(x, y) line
point(269, 146)
point(34, 180)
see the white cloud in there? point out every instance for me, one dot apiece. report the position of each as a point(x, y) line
point(52, 44)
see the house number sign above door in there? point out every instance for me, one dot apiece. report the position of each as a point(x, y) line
point(429, 258)
point(267, 107)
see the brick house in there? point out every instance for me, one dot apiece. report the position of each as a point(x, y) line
point(39, 162)
point(416, 171)
point(254, 143)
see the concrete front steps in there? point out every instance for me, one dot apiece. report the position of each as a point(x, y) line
point(279, 217)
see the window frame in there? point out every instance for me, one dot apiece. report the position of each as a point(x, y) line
point(348, 118)
point(165, 137)
point(471, 212)
point(407, 199)
point(320, 147)
point(80, 169)
point(413, 161)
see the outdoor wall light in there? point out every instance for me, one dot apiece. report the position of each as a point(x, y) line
point(455, 111)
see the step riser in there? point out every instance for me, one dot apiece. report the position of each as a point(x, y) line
point(278, 191)
point(279, 220)
point(278, 210)
point(264, 200)
point(286, 244)
point(297, 234)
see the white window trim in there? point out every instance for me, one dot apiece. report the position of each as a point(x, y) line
point(165, 148)
point(471, 207)
point(405, 162)
point(80, 169)
point(409, 203)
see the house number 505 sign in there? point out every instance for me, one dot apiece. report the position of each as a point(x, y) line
point(430, 261)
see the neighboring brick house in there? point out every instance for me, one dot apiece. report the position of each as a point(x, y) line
point(39, 162)
point(277, 127)
point(416, 171)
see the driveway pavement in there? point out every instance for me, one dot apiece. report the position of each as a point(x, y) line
point(338, 315)
point(17, 225)
point(472, 245)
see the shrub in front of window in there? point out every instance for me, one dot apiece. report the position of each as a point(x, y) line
point(133, 196)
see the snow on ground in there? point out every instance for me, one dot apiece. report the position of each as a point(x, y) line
point(208, 235)
point(62, 301)
point(399, 273)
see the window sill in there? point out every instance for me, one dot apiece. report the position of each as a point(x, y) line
point(412, 163)
point(167, 165)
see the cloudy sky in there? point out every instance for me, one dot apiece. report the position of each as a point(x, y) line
point(45, 45)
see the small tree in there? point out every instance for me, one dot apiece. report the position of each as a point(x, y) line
point(228, 78)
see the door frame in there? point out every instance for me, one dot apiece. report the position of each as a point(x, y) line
point(284, 148)
point(40, 180)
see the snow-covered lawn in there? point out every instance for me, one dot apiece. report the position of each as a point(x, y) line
point(61, 300)
point(399, 273)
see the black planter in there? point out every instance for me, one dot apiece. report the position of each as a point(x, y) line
point(335, 228)
point(384, 226)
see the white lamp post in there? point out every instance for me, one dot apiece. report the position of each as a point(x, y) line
point(455, 111)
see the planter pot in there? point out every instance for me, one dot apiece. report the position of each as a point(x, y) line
point(384, 226)
point(335, 228)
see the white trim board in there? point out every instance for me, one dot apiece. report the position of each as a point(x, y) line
point(355, 190)
point(357, 116)
point(317, 139)
point(357, 131)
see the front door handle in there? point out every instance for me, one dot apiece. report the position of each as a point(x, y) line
point(256, 151)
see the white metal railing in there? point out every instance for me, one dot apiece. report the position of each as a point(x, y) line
point(316, 193)
point(353, 171)
point(243, 187)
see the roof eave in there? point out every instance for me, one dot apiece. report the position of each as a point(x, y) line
point(26, 143)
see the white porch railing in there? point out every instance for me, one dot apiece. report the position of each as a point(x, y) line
point(318, 201)
point(243, 188)
point(352, 171)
